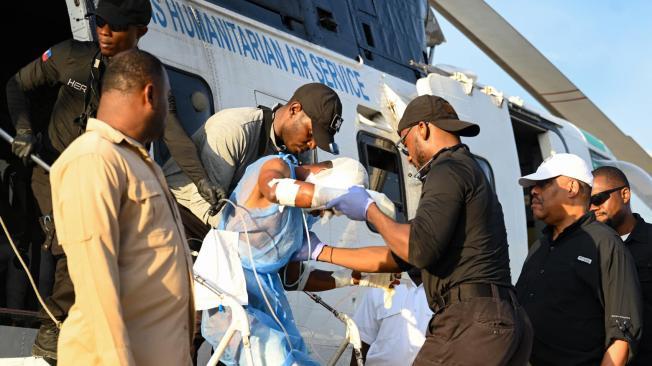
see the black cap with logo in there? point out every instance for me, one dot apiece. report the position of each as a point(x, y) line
point(438, 111)
point(124, 12)
point(324, 108)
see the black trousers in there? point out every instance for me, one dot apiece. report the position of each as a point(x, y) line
point(43, 194)
point(479, 331)
point(63, 293)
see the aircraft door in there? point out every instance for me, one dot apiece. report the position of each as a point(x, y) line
point(550, 143)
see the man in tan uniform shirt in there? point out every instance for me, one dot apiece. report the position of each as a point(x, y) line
point(120, 228)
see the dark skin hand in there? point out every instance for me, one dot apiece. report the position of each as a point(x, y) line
point(364, 350)
point(317, 281)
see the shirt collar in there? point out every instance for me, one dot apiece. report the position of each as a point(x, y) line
point(640, 232)
point(272, 135)
point(115, 136)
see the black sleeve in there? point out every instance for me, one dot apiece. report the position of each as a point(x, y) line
point(183, 149)
point(442, 199)
point(623, 309)
point(403, 265)
point(42, 72)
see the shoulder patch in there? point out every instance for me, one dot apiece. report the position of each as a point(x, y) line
point(46, 55)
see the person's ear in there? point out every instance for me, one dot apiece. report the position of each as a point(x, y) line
point(149, 94)
point(295, 109)
point(626, 195)
point(424, 130)
point(573, 188)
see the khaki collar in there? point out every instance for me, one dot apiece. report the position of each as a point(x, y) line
point(115, 136)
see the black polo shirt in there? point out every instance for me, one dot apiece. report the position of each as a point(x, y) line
point(639, 243)
point(581, 293)
point(458, 234)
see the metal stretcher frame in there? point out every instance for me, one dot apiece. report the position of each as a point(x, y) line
point(239, 322)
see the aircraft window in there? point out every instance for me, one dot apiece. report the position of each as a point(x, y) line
point(383, 163)
point(326, 19)
point(194, 105)
point(486, 169)
point(595, 158)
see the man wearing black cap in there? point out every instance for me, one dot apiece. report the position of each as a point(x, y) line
point(457, 239)
point(72, 71)
point(234, 138)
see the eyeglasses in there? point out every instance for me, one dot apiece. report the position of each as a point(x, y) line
point(400, 145)
point(100, 23)
point(602, 197)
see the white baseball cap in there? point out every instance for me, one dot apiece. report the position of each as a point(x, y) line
point(568, 165)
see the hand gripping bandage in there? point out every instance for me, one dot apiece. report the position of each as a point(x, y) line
point(377, 280)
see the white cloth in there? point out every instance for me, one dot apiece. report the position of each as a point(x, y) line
point(394, 335)
point(219, 264)
point(624, 237)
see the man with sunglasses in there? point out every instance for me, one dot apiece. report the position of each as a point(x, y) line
point(578, 283)
point(458, 240)
point(610, 201)
point(233, 138)
point(67, 77)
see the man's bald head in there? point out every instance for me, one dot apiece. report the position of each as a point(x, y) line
point(131, 70)
point(134, 99)
point(612, 174)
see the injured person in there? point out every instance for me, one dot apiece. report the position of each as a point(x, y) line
point(271, 240)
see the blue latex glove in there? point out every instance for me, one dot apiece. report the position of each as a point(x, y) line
point(316, 246)
point(353, 204)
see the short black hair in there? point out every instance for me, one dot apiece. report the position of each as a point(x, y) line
point(131, 70)
point(612, 174)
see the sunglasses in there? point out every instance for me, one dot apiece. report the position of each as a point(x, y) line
point(602, 197)
point(100, 23)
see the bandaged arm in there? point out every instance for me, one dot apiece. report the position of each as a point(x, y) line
point(275, 185)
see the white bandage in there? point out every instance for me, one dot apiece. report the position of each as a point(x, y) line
point(346, 172)
point(322, 195)
point(383, 202)
point(342, 278)
point(286, 190)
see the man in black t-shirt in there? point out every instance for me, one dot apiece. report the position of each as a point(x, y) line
point(610, 201)
point(578, 283)
point(457, 239)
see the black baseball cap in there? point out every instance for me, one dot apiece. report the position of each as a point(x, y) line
point(438, 111)
point(324, 108)
point(124, 12)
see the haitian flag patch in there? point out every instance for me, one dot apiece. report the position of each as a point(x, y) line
point(46, 55)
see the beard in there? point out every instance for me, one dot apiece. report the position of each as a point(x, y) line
point(612, 221)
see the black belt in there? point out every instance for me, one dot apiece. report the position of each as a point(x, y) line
point(467, 291)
